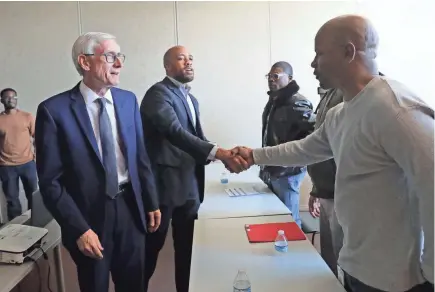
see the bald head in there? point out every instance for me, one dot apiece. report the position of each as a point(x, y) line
point(178, 64)
point(169, 54)
point(346, 46)
point(353, 29)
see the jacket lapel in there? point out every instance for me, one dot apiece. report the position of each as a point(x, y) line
point(82, 116)
point(198, 124)
point(180, 95)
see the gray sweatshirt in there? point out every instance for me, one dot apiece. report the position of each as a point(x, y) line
point(383, 144)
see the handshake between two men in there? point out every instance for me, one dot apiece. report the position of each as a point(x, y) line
point(236, 160)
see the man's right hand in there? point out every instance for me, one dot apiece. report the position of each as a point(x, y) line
point(90, 245)
point(244, 152)
point(314, 206)
point(232, 162)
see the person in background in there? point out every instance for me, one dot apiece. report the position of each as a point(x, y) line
point(17, 158)
point(178, 151)
point(321, 200)
point(382, 139)
point(94, 172)
point(287, 116)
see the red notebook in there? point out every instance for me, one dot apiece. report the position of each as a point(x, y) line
point(269, 231)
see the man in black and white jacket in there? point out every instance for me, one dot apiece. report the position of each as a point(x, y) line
point(287, 116)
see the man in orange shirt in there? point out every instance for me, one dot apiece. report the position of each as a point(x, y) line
point(17, 129)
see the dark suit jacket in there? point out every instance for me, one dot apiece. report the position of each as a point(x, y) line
point(71, 174)
point(178, 151)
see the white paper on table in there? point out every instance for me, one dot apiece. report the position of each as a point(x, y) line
point(242, 191)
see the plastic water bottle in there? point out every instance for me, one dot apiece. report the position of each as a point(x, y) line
point(281, 243)
point(224, 178)
point(241, 282)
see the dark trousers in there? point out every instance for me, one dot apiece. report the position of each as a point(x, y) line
point(183, 219)
point(352, 284)
point(123, 255)
point(10, 176)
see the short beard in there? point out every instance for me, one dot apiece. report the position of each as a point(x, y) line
point(8, 107)
point(183, 79)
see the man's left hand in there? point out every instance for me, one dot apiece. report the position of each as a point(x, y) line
point(154, 219)
point(314, 206)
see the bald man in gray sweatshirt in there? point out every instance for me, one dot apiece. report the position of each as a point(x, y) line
point(382, 140)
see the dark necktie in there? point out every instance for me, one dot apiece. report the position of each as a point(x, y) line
point(108, 150)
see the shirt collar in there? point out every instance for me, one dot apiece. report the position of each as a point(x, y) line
point(90, 96)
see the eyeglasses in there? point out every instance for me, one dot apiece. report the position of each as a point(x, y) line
point(110, 57)
point(274, 76)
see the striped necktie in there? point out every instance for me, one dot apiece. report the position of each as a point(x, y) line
point(108, 150)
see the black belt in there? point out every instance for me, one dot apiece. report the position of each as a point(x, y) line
point(123, 188)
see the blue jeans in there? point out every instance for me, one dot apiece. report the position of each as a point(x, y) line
point(10, 176)
point(287, 190)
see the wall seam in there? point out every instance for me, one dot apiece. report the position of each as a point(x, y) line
point(176, 22)
point(79, 17)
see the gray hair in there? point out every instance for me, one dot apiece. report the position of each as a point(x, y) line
point(86, 44)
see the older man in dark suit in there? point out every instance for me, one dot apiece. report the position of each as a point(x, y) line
point(178, 151)
point(94, 173)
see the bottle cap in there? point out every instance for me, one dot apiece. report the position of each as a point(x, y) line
point(281, 232)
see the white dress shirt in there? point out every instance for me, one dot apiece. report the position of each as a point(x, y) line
point(188, 99)
point(93, 108)
point(212, 154)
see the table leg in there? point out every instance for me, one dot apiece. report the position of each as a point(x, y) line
point(59, 269)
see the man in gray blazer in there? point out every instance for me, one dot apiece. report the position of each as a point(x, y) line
point(178, 151)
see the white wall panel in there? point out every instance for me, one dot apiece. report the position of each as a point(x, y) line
point(230, 45)
point(35, 50)
point(406, 42)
